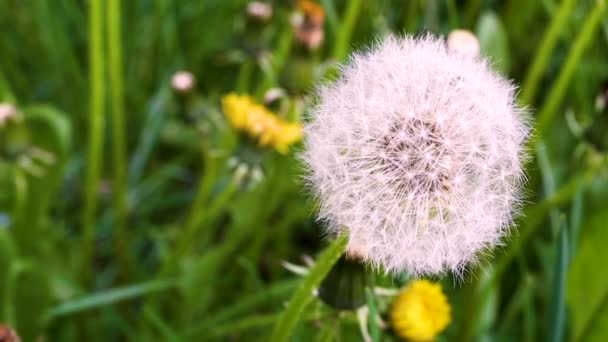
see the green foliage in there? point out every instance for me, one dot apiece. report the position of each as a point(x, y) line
point(587, 292)
point(133, 211)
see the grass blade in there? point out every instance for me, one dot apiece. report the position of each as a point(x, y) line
point(541, 58)
point(109, 297)
point(558, 90)
point(557, 312)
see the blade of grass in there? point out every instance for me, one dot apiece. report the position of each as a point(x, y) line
point(534, 216)
point(119, 143)
point(548, 181)
point(332, 17)
point(576, 217)
point(243, 305)
point(542, 55)
point(345, 32)
point(96, 126)
point(303, 295)
point(109, 297)
point(165, 330)
point(557, 311)
point(558, 90)
point(374, 330)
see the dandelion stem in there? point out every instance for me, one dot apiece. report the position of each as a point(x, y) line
point(541, 58)
point(557, 92)
point(303, 295)
point(115, 83)
point(96, 123)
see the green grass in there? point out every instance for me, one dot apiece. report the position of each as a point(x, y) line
point(145, 216)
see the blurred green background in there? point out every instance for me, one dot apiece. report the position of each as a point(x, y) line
point(130, 209)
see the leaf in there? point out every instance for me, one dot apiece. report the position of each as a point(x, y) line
point(493, 41)
point(587, 286)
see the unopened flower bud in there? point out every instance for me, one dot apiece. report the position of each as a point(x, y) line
point(7, 112)
point(259, 10)
point(183, 82)
point(464, 43)
point(273, 94)
point(8, 335)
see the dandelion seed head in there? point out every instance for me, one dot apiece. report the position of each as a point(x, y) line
point(415, 153)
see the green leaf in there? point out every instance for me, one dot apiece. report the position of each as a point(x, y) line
point(587, 287)
point(493, 41)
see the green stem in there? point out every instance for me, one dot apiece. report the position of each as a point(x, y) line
point(96, 123)
point(119, 144)
point(303, 295)
point(541, 58)
point(557, 92)
point(346, 30)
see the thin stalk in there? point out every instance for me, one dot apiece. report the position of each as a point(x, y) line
point(303, 295)
point(96, 126)
point(557, 92)
point(347, 27)
point(119, 144)
point(541, 58)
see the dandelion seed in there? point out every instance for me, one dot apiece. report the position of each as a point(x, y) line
point(415, 154)
point(420, 311)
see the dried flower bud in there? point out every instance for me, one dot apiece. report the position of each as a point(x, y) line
point(309, 24)
point(463, 42)
point(312, 11)
point(259, 10)
point(183, 82)
point(8, 335)
point(7, 112)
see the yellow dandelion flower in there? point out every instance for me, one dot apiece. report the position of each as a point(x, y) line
point(256, 121)
point(420, 311)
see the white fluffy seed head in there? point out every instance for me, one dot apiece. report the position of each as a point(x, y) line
point(416, 154)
